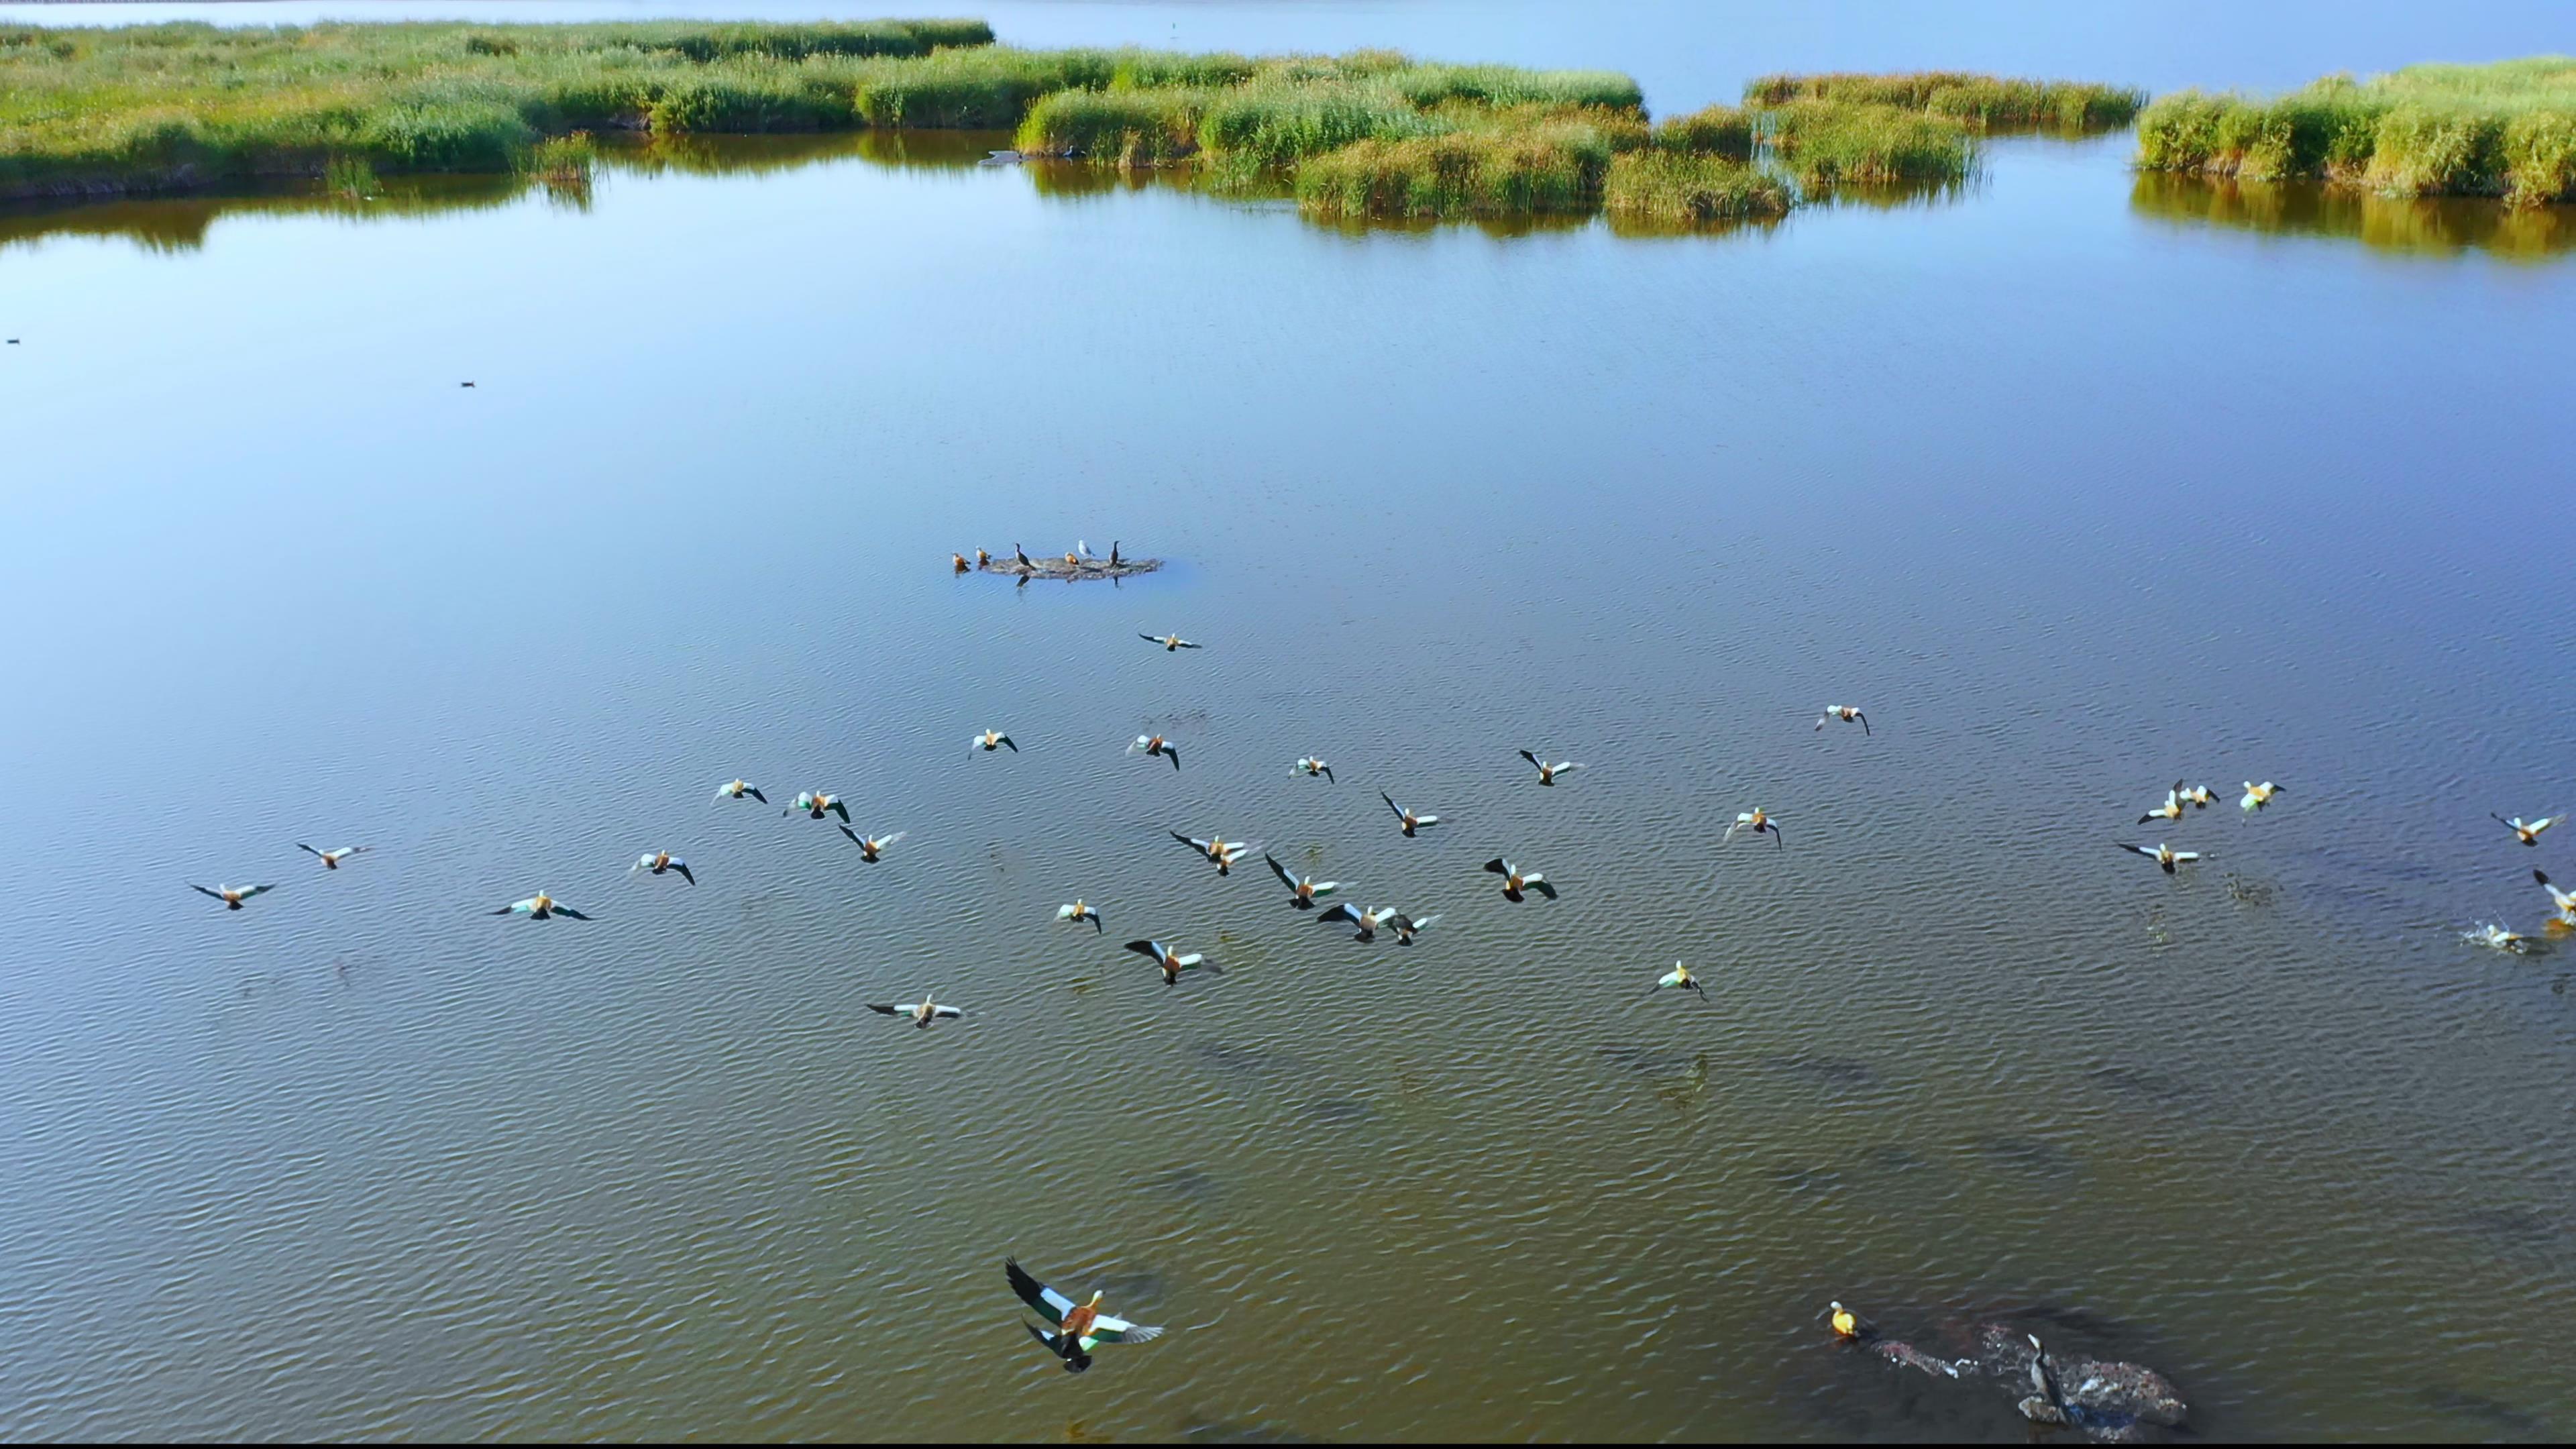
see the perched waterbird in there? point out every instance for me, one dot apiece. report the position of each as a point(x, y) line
point(2565, 901)
point(1847, 1324)
point(2047, 1403)
point(2495, 937)
point(662, 861)
point(922, 1012)
point(2527, 834)
point(331, 858)
point(2165, 856)
point(1113, 553)
point(2258, 796)
point(1759, 821)
point(1515, 881)
point(2170, 810)
point(1078, 913)
point(815, 803)
point(1547, 773)
point(1302, 890)
point(1157, 745)
point(736, 789)
point(1310, 766)
point(1412, 822)
point(1847, 713)
point(1173, 963)
point(991, 740)
point(871, 847)
point(231, 896)
point(1079, 1327)
point(1170, 642)
point(1680, 977)
point(1367, 920)
point(1408, 927)
point(1218, 849)
point(1022, 555)
point(540, 907)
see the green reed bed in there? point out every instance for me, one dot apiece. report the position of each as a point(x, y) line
point(1681, 188)
point(1832, 143)
point(2506, 129)
point(1531, 167)
point(1983, 101)
point(1715, 131)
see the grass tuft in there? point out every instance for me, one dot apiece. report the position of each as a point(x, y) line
point(1690, 189)
point(1983, 101)
point(1833, 143)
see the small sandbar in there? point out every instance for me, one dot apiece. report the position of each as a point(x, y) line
point(1073, 572)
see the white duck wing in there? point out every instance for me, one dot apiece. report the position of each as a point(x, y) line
point(1106, 1329)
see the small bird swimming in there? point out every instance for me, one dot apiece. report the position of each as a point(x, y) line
point(1412, 822)
point(1547, 773)
point(1172, 963)
point(1847, 713)
point(1170, 642)
point(963, 566)
point(1408, 927)
point(871, 847)
point(661, 861)
point(2565, 901)
point(982, 558)
point(1218, 849)
point(465, 384)
point(1367, 920)
point(1079, 1327)
point(540, 907)
point(2527, 834)
point(2258, 796)
point(815, 803)
point(1302, 890)
point(922, 1012)
point(736, 789)
point(331, 858)
point(1309, 766)
point(1515, 880)
point(1759, 821)
point(1157, 745)
point(2165, 856)
point(2170, 810)
point(1680, 976)
point(1847, 1324)
point(991, 740)
point(231, 896)
point(1078, 913)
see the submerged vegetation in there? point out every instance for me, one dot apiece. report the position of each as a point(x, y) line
point(2506, 129)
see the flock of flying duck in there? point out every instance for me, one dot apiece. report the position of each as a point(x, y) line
point(1075, 1329)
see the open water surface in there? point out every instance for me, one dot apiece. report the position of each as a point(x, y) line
point(2072, 490)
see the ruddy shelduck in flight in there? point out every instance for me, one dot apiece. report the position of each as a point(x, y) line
point(736, 789)
point(1079, 1327)
point(1547, 773)
point(1170, 642)
point(1218, 849)
point(2170, 810)
point(331, 858)
point(1302, 890)
point(1847, 713)
point(816, 803)
point(1171, 962)
point(1309, 765)
point(661, 862)
point(991, 740)
point(2258, 796)
point(922, 1012)
point(1516, 880)
point(2165, 856)
point(1760, 822)
point(540, 907)
point(1367, 920)
point(2528, 834)
point(1411, 821)
point(872, 848)
point(1079, 912)
point(1157, 745)
point(231, 896)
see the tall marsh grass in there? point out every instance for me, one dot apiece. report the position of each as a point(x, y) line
point(1680, 188)
point(1831, 143)
point(2507, 129)
point(1983, 101)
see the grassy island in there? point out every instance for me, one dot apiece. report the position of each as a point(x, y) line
point(91, 112)
point(2506, 129)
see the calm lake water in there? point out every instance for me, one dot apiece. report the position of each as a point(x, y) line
point(2072, 489)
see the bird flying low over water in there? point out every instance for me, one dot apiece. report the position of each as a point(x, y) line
point(1547, 773)
point(1157, 745)
point(1847, 713)
point(331, 858)
point(1218, 849)
point(2165, 856)
point(2170, 810)
point(1170, 642)
point(1079, 1327)
point(991, 740)
point(1412, 822)
point(1367, 920)
point(2565, 901)
point(1173, 963)
point(736, 789)
point(1847, 1324)
point(1680, 976)
point(1408, 927)
point(1515, 881)
point(231, 896)
point(1302, 890)
point(661, 861)
point(1309, 765)
point(922, 1012)
point(1078, 913)
point(2527, 834)
point(871, 847)
point(1759, 821)
point(815, 803)
point(2258, 796)
point(540, 907)
point(2200, 796)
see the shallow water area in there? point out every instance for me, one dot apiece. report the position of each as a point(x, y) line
point(2071, 489)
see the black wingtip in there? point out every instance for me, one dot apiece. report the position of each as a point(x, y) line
point(1495, 865)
